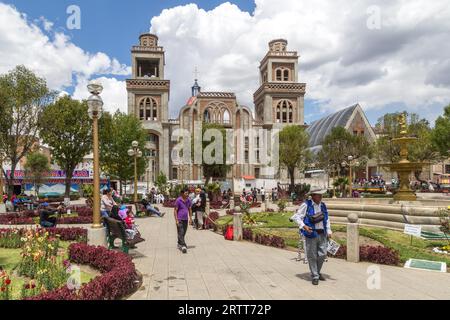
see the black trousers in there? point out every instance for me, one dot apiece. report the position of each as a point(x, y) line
point(182, 229)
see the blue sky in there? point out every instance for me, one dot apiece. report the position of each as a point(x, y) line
point(116, 22)
point(401, 65)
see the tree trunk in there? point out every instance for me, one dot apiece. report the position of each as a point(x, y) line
point(10, 180)
point(68, 183)
point(292, 177)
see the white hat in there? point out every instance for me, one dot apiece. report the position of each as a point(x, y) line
point(318, 191)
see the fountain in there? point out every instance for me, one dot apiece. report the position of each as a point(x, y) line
point(404, 167)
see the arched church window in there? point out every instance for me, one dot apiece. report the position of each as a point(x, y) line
point(286, 75)
point(285, 112)
point(207, 116)
point(226, 117)
point(278, 114)
point(279, 75)
point(148, 109)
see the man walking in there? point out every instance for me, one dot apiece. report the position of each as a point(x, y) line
point(199, 208)
point(312, 217)
point(183, 214)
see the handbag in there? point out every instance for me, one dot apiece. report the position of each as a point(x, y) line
point(229, 233)
point(319, 217)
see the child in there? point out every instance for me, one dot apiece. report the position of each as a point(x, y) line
point(123, 212)
point(130, 227)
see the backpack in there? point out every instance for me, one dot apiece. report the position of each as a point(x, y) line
point(229, 234)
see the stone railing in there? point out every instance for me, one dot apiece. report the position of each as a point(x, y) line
point(393, 216)
point(281, 87)
point(145, 83)
point(147, 49)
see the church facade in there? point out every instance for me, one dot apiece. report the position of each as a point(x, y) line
point(278, 102)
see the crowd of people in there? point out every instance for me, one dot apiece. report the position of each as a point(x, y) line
point(374, 181)
point(253, 194)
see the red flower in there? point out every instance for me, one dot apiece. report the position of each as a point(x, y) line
point(8, 282)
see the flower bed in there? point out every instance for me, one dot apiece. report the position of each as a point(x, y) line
point(216, 205)
point(41, 260)
point(169, 203)
point(13, 238)
point(442, 250)
point(230, 212)
point(31, 217)
point(212, 218)
point(255, 205)
point(118, 279)
point(264, 239)
point(373, 254)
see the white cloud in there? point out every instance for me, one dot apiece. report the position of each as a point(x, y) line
point(342, 61)
point(114, 93)
point(52, 55)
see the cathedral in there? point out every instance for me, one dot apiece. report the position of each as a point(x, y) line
point(278, 102)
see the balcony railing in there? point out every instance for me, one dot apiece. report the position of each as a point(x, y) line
point(148, 49)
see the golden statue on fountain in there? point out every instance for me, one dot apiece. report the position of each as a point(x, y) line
point(404, 167)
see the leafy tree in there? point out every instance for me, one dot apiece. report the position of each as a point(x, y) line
point(441, 133)
point(294, 153)
point(422, 150)
point(66, 128)
point(117, 132)
point(338, 146)
point(161, 182)
point(22, 98)
point(36, 167)
point(215, 170)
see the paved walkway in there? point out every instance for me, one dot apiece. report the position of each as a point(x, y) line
point(218, 269)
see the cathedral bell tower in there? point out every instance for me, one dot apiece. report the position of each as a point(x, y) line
point(280, 97)
point(148, 99)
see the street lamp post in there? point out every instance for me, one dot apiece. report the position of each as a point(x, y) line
point(352, 162)
point(95, 104)
point(148, 181)
point(135, 153)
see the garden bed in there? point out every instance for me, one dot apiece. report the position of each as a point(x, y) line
point(38, 265)
point(278, 224)
point(82, 215)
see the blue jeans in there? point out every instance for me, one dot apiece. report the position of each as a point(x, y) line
point(104, 214)
point(152, 210)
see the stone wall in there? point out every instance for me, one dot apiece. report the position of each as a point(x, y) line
point(393, 216)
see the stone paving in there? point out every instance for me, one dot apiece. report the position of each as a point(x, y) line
point(218, 269)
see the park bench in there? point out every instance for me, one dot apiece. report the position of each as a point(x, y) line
point(116, 230)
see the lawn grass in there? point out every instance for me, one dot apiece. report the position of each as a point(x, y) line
point(10, 258)
point(278, 224)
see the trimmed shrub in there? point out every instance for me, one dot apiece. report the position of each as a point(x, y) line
point(118, 279)
point(373, 254)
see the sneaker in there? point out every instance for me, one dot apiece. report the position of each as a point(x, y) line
point(315, 282)
point(322, 278)
point(184, 250)
point(163, 214)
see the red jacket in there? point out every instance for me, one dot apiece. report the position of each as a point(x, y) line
point(129, 221)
